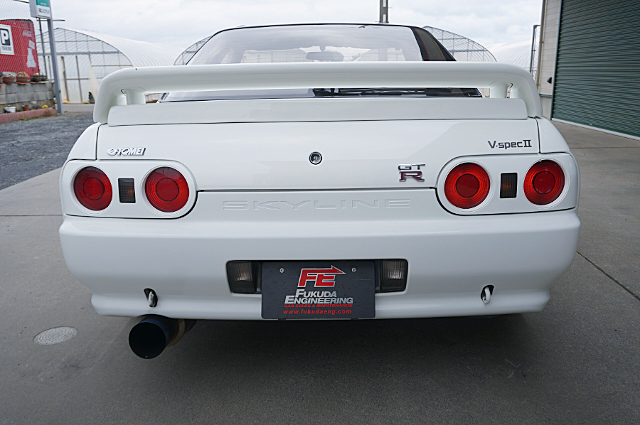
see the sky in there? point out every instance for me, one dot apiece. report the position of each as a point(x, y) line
point(180, 23)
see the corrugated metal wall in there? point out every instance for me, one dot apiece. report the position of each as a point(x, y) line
point(597, 79)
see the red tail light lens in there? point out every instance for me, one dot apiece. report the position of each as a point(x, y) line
point(167, 189)
point(544, 182)
point(92, 188)
point(467, 185)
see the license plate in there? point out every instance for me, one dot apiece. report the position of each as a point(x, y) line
point(318, 290)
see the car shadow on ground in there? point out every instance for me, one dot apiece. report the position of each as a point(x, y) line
point(310, 365)
point(351, 347)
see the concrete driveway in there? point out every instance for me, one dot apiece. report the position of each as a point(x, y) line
point(576, 362)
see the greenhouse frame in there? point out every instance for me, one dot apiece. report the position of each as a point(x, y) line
point(462, 48)
point(86, 57)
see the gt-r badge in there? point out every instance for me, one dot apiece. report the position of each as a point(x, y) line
point(126, 151)
point(412, 171)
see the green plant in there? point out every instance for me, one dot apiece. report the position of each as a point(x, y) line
point(22, 74)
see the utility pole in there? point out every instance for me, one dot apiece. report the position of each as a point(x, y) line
point(44, 57)
point(42, 9)
point(54, 65)
point(384, 11)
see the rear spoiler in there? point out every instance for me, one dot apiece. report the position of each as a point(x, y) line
point(128, 86)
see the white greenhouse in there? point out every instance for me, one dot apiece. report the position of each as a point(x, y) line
point(518, 54)
point(85, 58)
point(188, 53)
point(462, 48)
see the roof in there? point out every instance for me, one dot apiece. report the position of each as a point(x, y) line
point(10, 9)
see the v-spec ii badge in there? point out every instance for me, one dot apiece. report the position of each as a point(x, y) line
point(126, 151)
point(410, 171)
point(510, 145)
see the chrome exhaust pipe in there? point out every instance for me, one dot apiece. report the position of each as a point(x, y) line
point(152, 334)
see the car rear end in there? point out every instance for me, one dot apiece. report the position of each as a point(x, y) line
point(383, 191)
point(330, 207)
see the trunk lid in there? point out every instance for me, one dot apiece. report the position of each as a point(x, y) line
point(266, 144)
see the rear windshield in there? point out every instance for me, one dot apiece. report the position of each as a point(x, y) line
point(318, 43)
point(314, 43)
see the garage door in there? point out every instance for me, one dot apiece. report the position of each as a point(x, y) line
point(598, 65)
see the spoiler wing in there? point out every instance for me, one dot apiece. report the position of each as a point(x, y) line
point(128, 86)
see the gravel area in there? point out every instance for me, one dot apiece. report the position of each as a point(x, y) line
point(30, 148)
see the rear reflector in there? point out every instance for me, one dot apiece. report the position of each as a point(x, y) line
point(544, 182)
point(393, 276)
point(508, 185)
point(467, 185)
point(126, 191)
point(166, 189)
point(92, 188)
point(242, 277)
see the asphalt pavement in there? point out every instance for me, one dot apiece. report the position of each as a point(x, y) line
point(30, 148)
point(575, 362)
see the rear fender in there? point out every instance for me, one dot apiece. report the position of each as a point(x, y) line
point(85, 146)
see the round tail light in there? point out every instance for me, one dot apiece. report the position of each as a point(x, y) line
point(166, 189)
point(467, 185)
point(544, 182)
point(92, 189)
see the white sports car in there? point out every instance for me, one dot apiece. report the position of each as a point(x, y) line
point(330, 171)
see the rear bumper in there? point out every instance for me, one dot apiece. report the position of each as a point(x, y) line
point(451, 258)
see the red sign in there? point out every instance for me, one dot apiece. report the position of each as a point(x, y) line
point(18, 40)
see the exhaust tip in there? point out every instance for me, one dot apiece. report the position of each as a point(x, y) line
point(150, 337)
